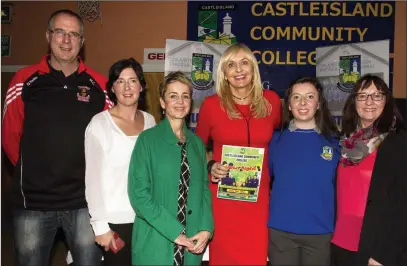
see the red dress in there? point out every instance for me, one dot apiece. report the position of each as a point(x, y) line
point(241, 233)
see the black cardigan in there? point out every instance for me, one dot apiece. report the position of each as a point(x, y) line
point(384, 229)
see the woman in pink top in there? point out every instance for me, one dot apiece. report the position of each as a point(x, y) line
point(371, 225)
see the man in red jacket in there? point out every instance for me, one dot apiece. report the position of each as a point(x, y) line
point(47, 108)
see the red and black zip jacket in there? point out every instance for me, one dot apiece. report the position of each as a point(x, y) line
point(43, 128)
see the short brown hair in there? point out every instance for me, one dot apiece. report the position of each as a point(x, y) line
point(69, 13)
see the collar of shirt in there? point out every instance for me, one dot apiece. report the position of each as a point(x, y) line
point(69, 80)
point(292, 127)
point(44, 65)
point(59, 72)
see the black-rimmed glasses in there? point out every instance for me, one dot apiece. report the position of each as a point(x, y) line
point(377, 96)
point(60, 33)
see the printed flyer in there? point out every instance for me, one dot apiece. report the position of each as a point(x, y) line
point(243, 179)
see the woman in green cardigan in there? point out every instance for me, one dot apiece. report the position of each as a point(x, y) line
point(168, 185)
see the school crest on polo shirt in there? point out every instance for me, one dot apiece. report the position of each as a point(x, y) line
point(83, 94)
point(327, 153)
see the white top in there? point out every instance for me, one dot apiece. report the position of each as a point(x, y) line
point(107, 151)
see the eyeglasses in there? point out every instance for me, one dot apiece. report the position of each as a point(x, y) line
point(130, 82)
point(377, 96)
point(60, 33)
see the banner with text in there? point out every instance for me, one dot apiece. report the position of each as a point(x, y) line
point(284, 35)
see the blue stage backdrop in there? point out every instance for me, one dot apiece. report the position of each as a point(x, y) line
point(284, 35)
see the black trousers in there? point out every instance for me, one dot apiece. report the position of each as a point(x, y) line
point(123, 257)
point(344, 257)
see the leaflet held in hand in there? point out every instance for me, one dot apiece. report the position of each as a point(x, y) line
point(243, 179)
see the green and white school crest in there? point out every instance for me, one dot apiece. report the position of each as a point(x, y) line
point(349, 72)
point(327, 153)
point(201, 73)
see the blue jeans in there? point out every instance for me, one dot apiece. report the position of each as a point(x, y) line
point(34, 234)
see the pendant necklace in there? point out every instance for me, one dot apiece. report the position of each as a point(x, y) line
point(240, 99)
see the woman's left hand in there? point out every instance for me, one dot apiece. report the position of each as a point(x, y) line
point(201, 239)
point(372, 262)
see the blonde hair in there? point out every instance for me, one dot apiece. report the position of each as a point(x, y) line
point(260, 107)
point(173, 77)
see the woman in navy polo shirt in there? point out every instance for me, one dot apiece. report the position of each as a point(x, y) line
point(303, 158)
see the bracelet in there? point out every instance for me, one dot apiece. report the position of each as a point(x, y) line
point(209, 165)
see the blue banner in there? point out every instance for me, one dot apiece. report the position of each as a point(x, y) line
point(284, 35)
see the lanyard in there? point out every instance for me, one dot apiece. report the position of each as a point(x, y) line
point(247, 119)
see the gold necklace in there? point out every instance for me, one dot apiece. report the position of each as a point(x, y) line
point(240, 99)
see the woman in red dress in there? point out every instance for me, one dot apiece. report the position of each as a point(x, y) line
point(240, 114)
